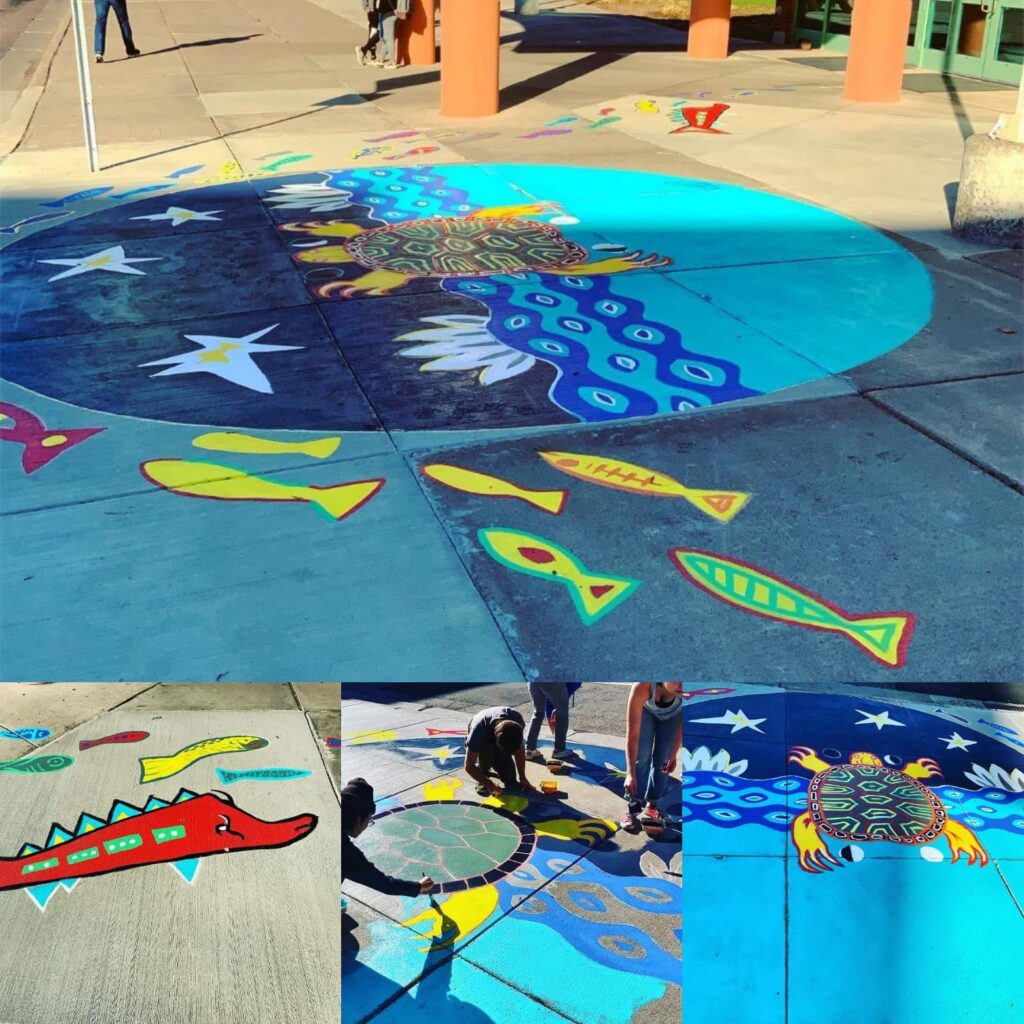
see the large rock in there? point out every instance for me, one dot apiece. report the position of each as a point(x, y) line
point(990, 201)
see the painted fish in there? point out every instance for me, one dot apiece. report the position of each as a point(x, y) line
point(178, 833)
point(709, 691)
point(648, 107)
point(884, 636)
point(154, 768)
point(183, 171)
point(999, 726)
point(141, 191)
point(224, 483)
point(41, 445)
point(118, 737)
point(87, 193)
point(562, 120)
point(42, 764)
point(469, 481)
point(369, 151)
point(287, 160)
point(394, 135)
point(421, 151)
point(544, 132)
point(604, 121)
point(249, 444)
point(30, 735)
point(606, 110)
point(445, 732)
point(624, 476)
point(332, 741)
point(593, 595)
point(261, 775)
point(39, 218)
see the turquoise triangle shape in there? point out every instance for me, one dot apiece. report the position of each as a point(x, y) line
point(85, 821)
point(29, 848)
point(155, 803)
point(58, 834)
point(121, 810)
point(187, 868)
point(40, 894)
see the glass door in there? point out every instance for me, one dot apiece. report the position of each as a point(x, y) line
point(978, 38)
point(1004, 58)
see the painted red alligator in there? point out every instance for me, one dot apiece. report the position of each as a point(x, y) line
point(189, 827)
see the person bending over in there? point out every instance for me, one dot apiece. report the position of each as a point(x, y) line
point(494, 742)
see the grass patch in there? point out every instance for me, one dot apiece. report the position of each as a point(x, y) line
point(751, 19)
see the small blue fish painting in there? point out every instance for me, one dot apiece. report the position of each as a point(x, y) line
point(138, 191)
point(604, 121)
point(24, 734)
point(261, 775)
point(88, 193)
point(561, 120)
point(39, 218)
point(182, 171)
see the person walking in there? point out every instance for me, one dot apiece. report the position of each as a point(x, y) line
point(389, 13)
point(100, 36)
point(367, 52)
point(654, 734)
point(494, 741)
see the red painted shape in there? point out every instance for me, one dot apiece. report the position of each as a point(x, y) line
point(537, 555)
point(600, 589)
point(212, 825)
point(120, 737)
point(700, 119)
point(30, 431)
point(445, 732)
point(720, 502)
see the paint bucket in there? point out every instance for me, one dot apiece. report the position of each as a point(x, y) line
point(557, 766)
point(549, 786)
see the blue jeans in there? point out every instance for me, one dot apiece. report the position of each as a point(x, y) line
point(657, 736)
point(558, 694)
point(121, 11)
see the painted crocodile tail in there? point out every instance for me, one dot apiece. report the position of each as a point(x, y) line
point(885, 637)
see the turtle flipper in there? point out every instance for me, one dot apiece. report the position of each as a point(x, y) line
point(613, 265)
point(922, 768)
point(814, 855)
point(376, 282)
point(807, 758)
point(962, 840)
point(325, 228)
point(510, 212)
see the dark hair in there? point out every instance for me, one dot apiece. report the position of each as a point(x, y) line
point(356, 803)
point(508, 736)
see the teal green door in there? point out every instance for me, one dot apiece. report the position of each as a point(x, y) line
point(980, 38)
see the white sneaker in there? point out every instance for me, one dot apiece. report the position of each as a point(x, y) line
point(559, 754)
point(533, 754)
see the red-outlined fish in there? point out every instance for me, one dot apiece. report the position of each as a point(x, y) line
point(41, 445)
point(117, 737)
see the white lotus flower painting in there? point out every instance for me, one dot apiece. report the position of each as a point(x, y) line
point(702, 760)
point(995, 776)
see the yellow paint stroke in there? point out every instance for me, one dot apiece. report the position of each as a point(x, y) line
point(250, 444)
point(211, 480)
point(441, 789)
point(624, 476)
point(459, 915)
point(588, 830)
point(156, 768)
point(507, 801)
point(354, 739)
point(469, 481)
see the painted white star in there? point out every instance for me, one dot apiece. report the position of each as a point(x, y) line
point(228, 358)
point(442, 754)
point(179, 215)
point(737, 719)
point(112, 259)
point(880, 720)
point(957, 742)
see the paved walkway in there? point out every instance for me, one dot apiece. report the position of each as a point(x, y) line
point(257, 933)
point(730, 240)
point(586, 929)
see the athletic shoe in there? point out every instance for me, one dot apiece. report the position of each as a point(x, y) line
point(533, 754)
point(390, 66)
point(361, 56)
point(653, 815)
point(134, 53)
point(558, 755)
point(99, 58)
point(629, 823)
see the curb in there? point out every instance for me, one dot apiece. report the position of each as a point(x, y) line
point(12, 131)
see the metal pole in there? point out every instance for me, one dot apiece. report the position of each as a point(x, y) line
point(84, 84)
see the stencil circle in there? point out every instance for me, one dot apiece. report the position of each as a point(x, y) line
point(609, 295)
point(458, 843)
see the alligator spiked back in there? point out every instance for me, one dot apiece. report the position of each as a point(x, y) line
point(179, 833)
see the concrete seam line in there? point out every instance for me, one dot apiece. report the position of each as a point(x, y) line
point(38, 81)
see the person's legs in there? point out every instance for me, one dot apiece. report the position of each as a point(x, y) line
point(121, 10)
point(369, 48)
point(664, 732)
point(558, 694)
point(644, 763)
point(100, 32)
point(533, 733)
point(388, 22)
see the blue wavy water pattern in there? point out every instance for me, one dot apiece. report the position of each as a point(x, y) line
point(729, 802)
point(395, 194)
point(611, 360)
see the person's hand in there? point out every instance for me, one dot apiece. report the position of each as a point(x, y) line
point(426, 885)
point(670, 765)
point(630, 783)
point(495, 789)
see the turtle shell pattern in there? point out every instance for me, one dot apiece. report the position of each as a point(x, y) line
point(463, 247)
point(867, 803)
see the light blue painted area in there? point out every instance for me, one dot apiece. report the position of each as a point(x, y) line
point(28, 735)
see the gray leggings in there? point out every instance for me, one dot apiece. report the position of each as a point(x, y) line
point(387, 25)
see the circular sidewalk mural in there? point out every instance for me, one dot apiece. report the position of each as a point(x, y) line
point(458, 843)
point(449, 297)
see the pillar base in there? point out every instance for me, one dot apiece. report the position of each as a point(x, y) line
point(990, 202)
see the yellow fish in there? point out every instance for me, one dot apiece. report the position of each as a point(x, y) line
point(594, 596)
point(225, 483)
point(624, 476)
point(472, 482)
point(460, 914)
point(248, 444)
point(155, 768)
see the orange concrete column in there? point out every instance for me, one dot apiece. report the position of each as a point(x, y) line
point(416, 43)
point(709, 30)
point(470, 36)
point(878, 44)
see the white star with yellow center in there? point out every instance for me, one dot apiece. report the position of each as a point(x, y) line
point(957, 742)
point(112, 259)
point(228, 358)
point(179, 215)
point(442, 754)
point(880, 721)
point(737, 719)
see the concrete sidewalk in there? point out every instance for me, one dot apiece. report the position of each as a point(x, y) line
point(792, 288)
point(238, 938)
point(592, 915)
